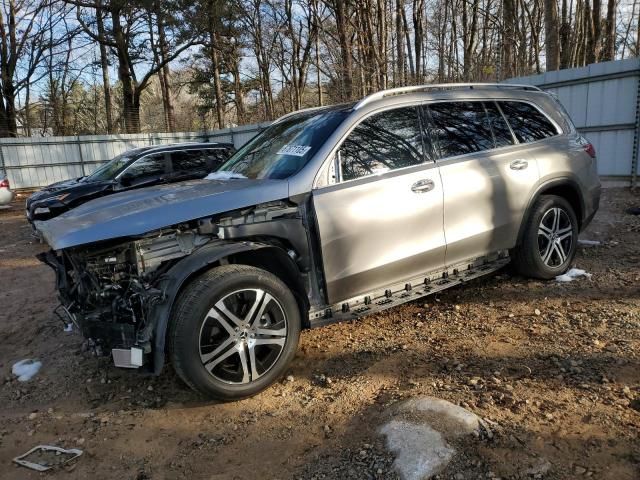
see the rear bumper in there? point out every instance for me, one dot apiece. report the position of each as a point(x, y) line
point(591, 205)
point(6, 196)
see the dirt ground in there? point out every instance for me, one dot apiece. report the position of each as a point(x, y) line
point(554, 368)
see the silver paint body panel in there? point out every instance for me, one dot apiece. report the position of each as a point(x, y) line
point(376, 230)
point(485, 200)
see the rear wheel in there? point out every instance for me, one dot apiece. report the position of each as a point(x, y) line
point(550, 239)
point(233, 331)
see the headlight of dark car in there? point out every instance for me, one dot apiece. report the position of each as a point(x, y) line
point(44, 209)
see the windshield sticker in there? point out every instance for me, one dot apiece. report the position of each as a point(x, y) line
point(295, 150)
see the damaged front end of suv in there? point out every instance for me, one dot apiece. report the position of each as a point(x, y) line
point(109, 290)
point(119, 291)
point(222, 270)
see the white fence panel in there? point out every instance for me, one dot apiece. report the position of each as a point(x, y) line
point(35, 162)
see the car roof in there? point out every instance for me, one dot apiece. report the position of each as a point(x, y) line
point(170, 147)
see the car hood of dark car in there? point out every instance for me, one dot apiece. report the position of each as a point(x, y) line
point(75, 187)
point(136, 212)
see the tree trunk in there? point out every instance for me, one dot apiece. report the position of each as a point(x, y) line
point(165, 85)
point(609, 51)
point(104, 64)
point(130, 96)
point(552, 34)
point(414, 67)
point(342, 22)
point(238, 92)
point(508, 38)
point(400, 44)
point(217, 87)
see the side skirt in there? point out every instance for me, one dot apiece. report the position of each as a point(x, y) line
point(413, 289)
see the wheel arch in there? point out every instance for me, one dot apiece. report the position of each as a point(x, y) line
point(565, 187)
point(257, 254)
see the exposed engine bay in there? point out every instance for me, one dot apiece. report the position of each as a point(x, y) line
point(107, 291)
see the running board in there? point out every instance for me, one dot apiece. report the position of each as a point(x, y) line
point(402, 293)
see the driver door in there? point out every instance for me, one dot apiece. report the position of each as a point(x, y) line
point(382, 221)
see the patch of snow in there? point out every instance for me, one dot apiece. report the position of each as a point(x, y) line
point(68, 327)
point(588, 243)
point(420, 451)
point(223, 175)
point(26, 369)
point(572, 274)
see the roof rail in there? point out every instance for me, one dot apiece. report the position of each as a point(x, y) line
point(439, 86)
point(296, 112)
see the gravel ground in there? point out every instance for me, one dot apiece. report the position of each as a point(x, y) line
point(554, 369)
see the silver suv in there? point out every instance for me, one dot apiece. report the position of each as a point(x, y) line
point(328, 214)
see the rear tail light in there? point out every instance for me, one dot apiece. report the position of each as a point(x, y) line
point(591, 151)
point(4, 183)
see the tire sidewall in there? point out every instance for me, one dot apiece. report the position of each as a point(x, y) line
point(187, 347)
point(543, 205)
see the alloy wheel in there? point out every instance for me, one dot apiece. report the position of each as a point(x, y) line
point(555, 237)
point(242, 336)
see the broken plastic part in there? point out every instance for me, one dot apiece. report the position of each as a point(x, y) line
point(41, 453)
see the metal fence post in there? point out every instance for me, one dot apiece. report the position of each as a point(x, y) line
point(1, 157)
point(84, 173)
point(636, 138)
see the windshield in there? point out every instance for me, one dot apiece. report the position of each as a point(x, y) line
point(109, 170)
point(285, 147)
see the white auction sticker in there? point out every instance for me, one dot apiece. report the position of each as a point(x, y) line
point(295, 150)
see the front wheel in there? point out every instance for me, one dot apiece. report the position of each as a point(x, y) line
point(550, 239)
point(233, 331)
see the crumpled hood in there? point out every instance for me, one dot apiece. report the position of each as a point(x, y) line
point(136, 212)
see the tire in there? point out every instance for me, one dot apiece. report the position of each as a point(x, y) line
point(242, 322)
point(548, 248)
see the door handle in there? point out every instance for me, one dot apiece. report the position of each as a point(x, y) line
point(423, 186)
point(519, 164)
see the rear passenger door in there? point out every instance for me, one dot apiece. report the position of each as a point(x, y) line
point(381, 222)
point(486, 177)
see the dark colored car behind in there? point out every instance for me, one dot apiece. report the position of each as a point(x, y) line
point(140, 167)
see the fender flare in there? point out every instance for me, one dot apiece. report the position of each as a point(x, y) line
point(171, 282)
point(554, 182)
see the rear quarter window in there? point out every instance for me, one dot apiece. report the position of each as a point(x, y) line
point(527, 122)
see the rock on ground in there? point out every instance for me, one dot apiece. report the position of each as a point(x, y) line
point(420, 451)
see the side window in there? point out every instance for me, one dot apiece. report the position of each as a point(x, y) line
point(501, 133)
point(385, 141)
point(149, 166)
point(189, 161)
point(458, 128)
point(216, 157)
point(527, 122)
